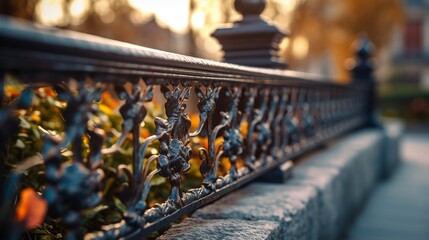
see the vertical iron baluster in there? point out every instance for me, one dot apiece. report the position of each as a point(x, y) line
point(174, 152)
point(72, 187)
point(210, 157)
point(266, 128)
point(277, 151)
point(233, 141)
point(252, 120)
point(307, 118)
point(260, 114)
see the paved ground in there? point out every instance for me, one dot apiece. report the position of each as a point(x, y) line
point(399, 207)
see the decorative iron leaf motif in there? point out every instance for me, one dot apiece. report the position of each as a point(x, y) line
point(210, 157)
point(284, 115)
point(174, 150)
point(291, 123)
point(307, 122)
point(277, 151)
point(264, 139)
point(72, 187)
point(133, 112)
point(251, 119)
point(233, 141)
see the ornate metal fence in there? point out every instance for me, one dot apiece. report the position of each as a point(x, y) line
point(254, 118)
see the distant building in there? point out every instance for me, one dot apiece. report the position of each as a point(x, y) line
point(411, 46)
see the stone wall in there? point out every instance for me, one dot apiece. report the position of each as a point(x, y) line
point(321, 199)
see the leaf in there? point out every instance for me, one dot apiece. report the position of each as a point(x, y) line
point(19, 144)
point(90, 213)
point(112, 217)
point(119, 205)
point(24, 123)
point(67, 153)
point(31, 208)
point(108, 185)
point(22, 135)
point(157, 180)
point(36, 132)
point(29, 162)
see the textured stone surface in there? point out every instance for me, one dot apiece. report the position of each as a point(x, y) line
point(343, 174)
point(295, 207)
point(232, 229)
point(326, 190)
point(394, 131)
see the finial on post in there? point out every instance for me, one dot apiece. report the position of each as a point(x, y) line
point(249, 8)
point(251, 41)
point(362, 72)
point(363, 68)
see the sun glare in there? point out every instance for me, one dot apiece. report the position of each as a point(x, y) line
point(198, 19)
point(173, 14)
point(77, 10)
point(50, 12)
point(300, 47)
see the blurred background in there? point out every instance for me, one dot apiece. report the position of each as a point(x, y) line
point(321, 33)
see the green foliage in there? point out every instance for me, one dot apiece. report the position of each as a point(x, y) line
point(44, 117)
point(400, 99)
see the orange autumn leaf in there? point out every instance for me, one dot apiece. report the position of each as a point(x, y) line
point(108, 100)
point(204, 142)
point(195, 120)
point(144, 133)
point(31, 208)
point(11, 92)
point(50, 92)
point(243, 128)
point(47, 91)
point(35, 118)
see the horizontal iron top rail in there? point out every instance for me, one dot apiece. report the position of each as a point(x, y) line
point(25, 46)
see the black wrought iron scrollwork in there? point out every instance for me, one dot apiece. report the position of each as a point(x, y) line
point(9, 125)
point(174, 150)
point(133, 112)
point(210, 157)
point(233, 141)
point(255, 116)
point(277, 127)
point(307, 123)
point(291, 123)
point(72, 187)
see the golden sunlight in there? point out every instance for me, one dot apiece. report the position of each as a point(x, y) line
point(50, 12)
point(173, 14)
point(300, 47)
point(77, 9)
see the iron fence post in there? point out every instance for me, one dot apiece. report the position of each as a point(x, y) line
point(363, 73)
point(251, 41)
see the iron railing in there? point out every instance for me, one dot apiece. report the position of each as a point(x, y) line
point(258, 117)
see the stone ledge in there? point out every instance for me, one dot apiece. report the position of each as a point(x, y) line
point(394, 130)
point(291, 206)
point(232, 229)
point(326, 191)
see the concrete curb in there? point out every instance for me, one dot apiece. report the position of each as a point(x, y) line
point(325, 193)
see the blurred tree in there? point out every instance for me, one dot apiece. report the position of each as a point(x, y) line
point(321, 30)
point(328, 28)
point(113, 19)
point(24, 9)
